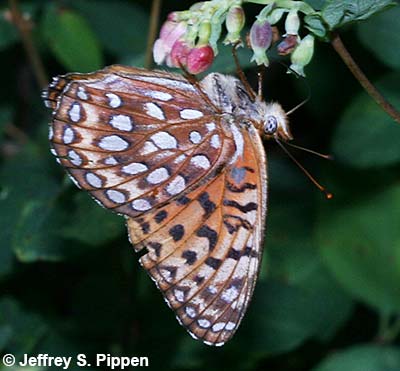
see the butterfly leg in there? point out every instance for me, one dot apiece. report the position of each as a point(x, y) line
point(240, 73)
point(260, 76)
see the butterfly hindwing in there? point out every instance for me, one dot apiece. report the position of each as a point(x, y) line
point(204, 254)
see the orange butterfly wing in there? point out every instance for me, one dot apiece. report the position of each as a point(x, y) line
point(204, 255)
point(148, 146)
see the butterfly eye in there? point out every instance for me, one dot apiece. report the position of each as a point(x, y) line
point(270, 125)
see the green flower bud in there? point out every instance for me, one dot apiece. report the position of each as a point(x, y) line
point(292, 23)
point(302, 55)
point(197, 6)
point(275, 16)
point(204, 33)
point(235, 21)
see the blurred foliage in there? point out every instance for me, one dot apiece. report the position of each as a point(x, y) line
point(328, 297)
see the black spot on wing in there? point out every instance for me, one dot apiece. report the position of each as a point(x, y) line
point(248, 251)
point(213, 262)
point(243, 208)
point(239, 189)
point(190, 256)
point(234, 222)
point(183, 200)
point(234, 254)
point(177, 232)
point(210, 234)
point(156, 246)
point(206, 203)
point(160, 216)
point(198, 279)
point(145, 227)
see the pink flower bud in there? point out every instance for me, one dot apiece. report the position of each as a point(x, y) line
point(260, 41)
point(175, 34)
point(199, 59)
point(288, 44)
point(160, 52)
point(173, 16)
point(170, 32)
point(178, 55)
point(166, 28)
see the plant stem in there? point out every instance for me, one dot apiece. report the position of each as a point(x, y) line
point(360, 76)
point(154, 17)
point(24, 29)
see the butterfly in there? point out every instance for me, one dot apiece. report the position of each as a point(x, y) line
point(184, 163)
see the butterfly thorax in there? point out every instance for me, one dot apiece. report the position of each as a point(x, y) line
point(229, 95)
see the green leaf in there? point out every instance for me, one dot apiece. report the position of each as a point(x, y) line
point(381, 35)
point(92, 224)
point(281, 318)
point(366, 136)
point(316, 4)
point(26, 329)
point(121, 27)
point(315, 24)
point(338, 13)
point(363, 358)
point(71, 39)
point(294, 258)
point(359, 239)
point(36, 235)
point(16, 192)
point(5, 336)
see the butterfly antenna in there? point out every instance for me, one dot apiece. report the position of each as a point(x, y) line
point(295, 108)
point(306, 84)
point(326, 157)
point(328, 194)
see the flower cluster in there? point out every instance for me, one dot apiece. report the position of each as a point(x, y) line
point(261, 32)
point(188, 39)
point(175, 50)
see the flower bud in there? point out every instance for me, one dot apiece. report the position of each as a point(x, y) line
point(235, 21)
point(288, 44)
point(170, 32)
point(302, 55)
point(173, 17)
point(199, 59)
point(204, 32)
point(197, 6)
point(260, 41)
point(159, 51)
point(184, 15)
point(292, 23)
point(275, 15)
point(178, 55)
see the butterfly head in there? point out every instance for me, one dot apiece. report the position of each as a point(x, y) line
point(275, 122)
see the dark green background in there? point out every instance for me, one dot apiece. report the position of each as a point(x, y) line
point(328, 297)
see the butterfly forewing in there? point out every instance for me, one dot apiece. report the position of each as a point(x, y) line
point(190, 180)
